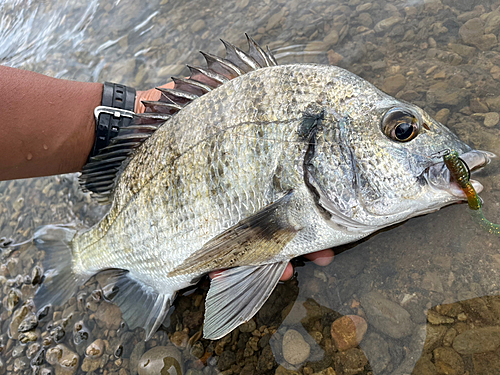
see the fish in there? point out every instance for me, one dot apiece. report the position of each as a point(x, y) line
point(241, 167)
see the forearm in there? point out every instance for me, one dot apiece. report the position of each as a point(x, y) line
point(46, 124)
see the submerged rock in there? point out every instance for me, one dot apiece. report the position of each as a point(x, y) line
point(135, 356)
point(348, 331)
point(95, 349)
point(109, 314)
point(376, 350)
point(386, 316)
point(447, 361)
point(63, 359)
point(295, 349)
point(165, 360)
point(479, 340)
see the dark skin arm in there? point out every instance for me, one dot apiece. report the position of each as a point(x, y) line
point(47, 127)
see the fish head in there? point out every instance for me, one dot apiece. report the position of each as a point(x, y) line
point(377, 161)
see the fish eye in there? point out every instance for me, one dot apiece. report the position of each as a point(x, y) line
point(400, 125)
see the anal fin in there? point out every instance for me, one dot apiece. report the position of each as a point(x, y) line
point(236, 295)
point(141, 305)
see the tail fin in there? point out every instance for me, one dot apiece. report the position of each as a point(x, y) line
point(61, 280)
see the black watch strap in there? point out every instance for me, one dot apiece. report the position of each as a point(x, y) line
point(109, 122)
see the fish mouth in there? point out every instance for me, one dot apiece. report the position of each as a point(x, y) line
point(439, 177)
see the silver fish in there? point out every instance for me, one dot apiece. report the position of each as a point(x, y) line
point(240, 168)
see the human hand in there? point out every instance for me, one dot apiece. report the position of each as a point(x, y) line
point(152, 94)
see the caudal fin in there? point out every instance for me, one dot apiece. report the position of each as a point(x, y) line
point(61, 281)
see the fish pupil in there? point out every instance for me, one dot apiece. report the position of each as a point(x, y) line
point(403, 131)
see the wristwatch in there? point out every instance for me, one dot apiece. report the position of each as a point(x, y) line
point(116, 111)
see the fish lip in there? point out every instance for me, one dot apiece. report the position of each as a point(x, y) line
point(438, 175)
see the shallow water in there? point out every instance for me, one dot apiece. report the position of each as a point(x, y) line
point(428, 288)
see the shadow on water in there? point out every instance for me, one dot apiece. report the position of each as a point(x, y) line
point(422, 297)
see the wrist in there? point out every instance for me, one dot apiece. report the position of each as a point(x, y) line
point(114, 113)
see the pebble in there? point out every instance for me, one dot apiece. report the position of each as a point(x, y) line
point(435, 318)
point(491, 119)
point(33, 348)
point(393, 84)
point(226, 359)
point(13, 298)
point(353, 360)
point(161, 360)
point(447, 361)
point(295, 349)
point(135, 356)
point(284, 371)
point(348, 331)
point(248, 326)
point(449, 337)
point(109, 314)
point(21, 364)
point(424, 366)
point(331, 39)
point(440, 75)
point(493, 103)
point(65, 360)
point(180, 338)
point(433, 6)
point(197, 26)
point(495, 72)
point(95, 349)
point(442, 94)
point(18, 351)
point(275, 19)
point(365, 19)
point(462, 49)
point(478, 340)
point(434, 337)
point(376, 350)
point(386, 316)
point(334, 58)
point(442, 116)
point(327, 371)
point(387, 23)
point(90, 364)
point(486, 363)
point(29, 322)
point(477, 106)
point(471, 31)
point(197, 350)
point(17, 318)
point(193, 319)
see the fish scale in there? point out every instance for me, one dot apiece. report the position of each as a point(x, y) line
point(247, 171)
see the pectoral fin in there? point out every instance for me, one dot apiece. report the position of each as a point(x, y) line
point(236, 295)
point(255, 239)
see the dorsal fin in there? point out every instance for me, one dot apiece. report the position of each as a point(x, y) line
point(101, 172)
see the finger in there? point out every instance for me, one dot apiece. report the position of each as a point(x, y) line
point(288, 272)
point(152, 95)
point(214, 273)
point(322, 257)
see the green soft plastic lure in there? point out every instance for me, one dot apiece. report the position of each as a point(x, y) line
point(461, 174)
